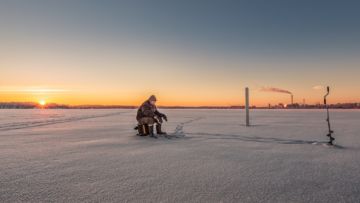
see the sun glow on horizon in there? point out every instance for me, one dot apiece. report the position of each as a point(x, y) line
point(42, 102)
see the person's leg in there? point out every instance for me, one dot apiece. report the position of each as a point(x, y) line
point(141, 130)
point(158, 129)
point(148, 122)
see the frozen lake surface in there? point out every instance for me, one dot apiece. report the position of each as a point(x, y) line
point(94, 156)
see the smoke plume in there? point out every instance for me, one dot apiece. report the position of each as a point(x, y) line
point(318, 87)
point(274, 89)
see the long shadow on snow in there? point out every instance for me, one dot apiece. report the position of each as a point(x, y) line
point(260, 139)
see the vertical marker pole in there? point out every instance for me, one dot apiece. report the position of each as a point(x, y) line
point(247, 106)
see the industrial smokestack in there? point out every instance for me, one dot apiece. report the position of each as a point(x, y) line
point(292, 99)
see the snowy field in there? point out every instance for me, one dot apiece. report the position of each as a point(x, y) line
point(94, 156)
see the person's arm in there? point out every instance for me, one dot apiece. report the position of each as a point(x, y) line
point(161, 115)
point(157, 113)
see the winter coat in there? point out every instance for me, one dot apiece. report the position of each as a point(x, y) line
point(147, 110)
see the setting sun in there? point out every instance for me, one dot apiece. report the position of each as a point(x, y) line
point(42, 102)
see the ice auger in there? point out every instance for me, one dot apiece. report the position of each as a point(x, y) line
point(328, 117)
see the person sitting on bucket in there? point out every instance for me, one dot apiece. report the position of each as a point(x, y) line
point(148, 116)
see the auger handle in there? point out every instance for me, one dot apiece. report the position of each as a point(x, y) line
point(328, 92)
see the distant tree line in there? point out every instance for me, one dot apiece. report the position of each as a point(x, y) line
point(32, 105)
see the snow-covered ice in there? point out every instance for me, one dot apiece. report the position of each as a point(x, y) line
point(94, 156)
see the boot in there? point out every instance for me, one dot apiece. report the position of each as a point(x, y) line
point(159, 131)
point(140, 129)
point(151, 131)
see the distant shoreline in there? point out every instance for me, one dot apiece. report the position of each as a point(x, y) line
point(31, 105)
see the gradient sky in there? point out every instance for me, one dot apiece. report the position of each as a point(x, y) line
point(185, 52)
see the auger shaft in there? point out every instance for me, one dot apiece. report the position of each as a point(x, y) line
point(328, 118)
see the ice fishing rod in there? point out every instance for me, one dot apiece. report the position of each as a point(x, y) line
point(328, 117)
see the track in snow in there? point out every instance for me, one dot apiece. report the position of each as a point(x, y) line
point(179, 130)
point(31, 124)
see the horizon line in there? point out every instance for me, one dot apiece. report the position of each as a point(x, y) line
point(351, 105)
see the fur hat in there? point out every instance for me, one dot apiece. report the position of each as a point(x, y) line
point(152, 98)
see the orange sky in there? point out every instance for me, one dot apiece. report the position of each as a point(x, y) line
point(217, 97)
point(91, 77)
point(67, 77)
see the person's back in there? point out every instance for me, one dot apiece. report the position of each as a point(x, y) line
point(146, 110)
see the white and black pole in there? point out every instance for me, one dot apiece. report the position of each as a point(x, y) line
point(247, 106)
